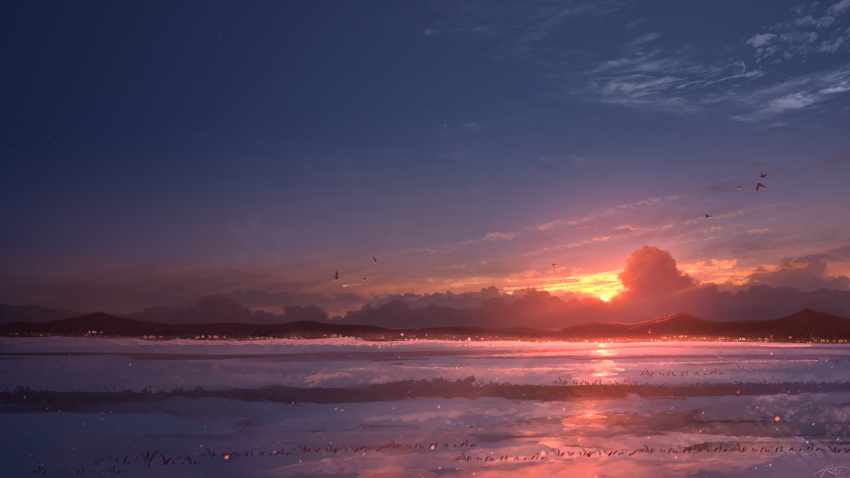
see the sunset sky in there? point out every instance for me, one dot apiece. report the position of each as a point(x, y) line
point(158, 152)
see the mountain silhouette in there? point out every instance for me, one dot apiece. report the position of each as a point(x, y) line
point(805, 325)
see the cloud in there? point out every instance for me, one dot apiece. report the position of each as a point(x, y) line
point(652, 272)
point(583, 243)
point(654, 286)
point(810, 31)
point(831, 46)
point(839, 8)
point(527, 308)
point(462, 300)
point(724, 263)
point(490, 237)
point(453, 247)
point(548, 225)
point(760, 40)
point(637, 86)
point(220, 309)
point(796, 94)
point(622, 231)
point(543, 29)
point(645, 39)
point(520, 29)
point(656, 77)
point(806, 274)
point(335, 303)
point(609, 213)
point(473, 127)
point(648, 71)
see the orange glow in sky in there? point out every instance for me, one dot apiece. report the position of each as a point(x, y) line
point(603, 285)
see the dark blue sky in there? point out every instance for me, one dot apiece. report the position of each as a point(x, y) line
point(155, 152)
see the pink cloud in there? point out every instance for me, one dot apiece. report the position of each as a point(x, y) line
point(806, 274)
point(651, 271)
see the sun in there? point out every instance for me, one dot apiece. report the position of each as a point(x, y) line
point(604, 298)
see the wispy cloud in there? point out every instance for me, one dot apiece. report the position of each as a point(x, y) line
point(473, 127)
point(653, 71)
point(449, 248)
point(715, 217)
point(584, 222)
point(551, 20)
point(520, 28)
point(549, 225)
point(618, 232)
point(795, 94)
point(490, 237)
point(496, 236)
point(812, 29)
point(649, 74)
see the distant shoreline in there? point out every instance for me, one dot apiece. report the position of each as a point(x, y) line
point(806, 326)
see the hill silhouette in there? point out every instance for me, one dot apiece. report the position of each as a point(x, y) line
point(805, 325)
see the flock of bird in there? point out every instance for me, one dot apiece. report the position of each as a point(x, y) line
point(759, 186)
point(374, 260)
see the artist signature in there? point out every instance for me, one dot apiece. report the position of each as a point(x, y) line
point(831, 470)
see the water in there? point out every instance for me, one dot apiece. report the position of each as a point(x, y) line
point(603, 434)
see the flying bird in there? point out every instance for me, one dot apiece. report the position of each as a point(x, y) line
point(374, 259)
point(707, 216)
point(739, 187)
point(762, 175)
point(760, 185)
point(336, 275)
point(553, 265)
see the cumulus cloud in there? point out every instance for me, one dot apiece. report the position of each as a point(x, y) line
point(654, 286)
point(461, 300)
point(651, 271)
point(805, 274)
point(527, 308)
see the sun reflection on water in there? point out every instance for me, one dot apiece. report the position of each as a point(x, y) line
point(605, 368)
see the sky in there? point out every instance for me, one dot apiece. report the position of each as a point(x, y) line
point(155, 153)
